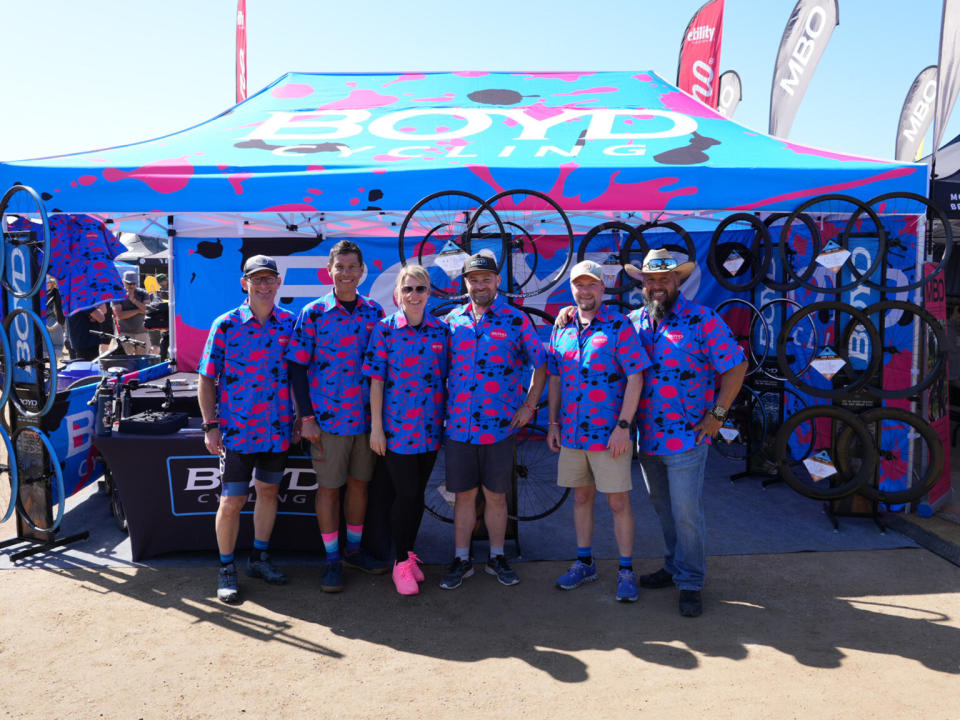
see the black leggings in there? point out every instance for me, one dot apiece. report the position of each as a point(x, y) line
point(408, 476)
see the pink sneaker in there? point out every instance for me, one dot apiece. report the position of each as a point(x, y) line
point(404, 580)
point(415, 570)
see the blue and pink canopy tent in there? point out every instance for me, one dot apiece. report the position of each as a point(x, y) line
point(312, 144)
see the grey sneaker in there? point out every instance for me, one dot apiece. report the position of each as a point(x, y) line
point(498, 565)
point(456, 572)
point(227, 589)
point(265, 569)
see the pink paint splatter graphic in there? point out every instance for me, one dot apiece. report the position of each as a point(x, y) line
point(360, 100)
point(292, 90)
point(237, 180)
point(406, 77)
point(588, 91)
point(803, 150)
point(565, 77)
point(165, 176)
point(682, 103)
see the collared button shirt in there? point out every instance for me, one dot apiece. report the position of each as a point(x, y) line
point(331, 341)
point(247, 361)
point(593, 365)
point(689, 347)
point(487, 363)
point(412, 363)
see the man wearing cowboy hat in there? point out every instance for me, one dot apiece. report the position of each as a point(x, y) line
point(680, 410)
point(596, 374)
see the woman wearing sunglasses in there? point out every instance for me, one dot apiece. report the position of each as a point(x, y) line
point(406, 361)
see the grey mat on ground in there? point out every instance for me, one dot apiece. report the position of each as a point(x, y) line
point(743, 518)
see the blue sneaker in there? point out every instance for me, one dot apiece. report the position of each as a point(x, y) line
point(456, 572)
point(626, 586)
point(265, 569)
point(363, 561)
point(578, 574)
point(506, 575)
point(227, 589)
point(332, 580)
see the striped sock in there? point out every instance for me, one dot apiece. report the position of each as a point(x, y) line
point(226, 559)
point(626, 562)
point(585, 554)
point(354, 533)
point(331, 543)
point(259, 548)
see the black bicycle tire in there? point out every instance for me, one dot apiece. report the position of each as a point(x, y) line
point(481, 208)
point(784, 390)
point(811, 268)
point(13, 481)
point(691, 248)
point(562, 271)
point(927, 433)
point(760, 267)
point(756, 314)
point(7, 365)
point(938, 332)
point(718, 443)
point(53, 462)
point(629, 283)
point(519, 466)
point(855, 482)
point(442, 511)
point(45, 227)
point(948, 244)
point(52, 364)
point(877, 260)
point(876, 354)
point(778, 343)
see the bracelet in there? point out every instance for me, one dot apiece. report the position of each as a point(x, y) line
point(553, 423)
point(307, 417)
point(530, 408)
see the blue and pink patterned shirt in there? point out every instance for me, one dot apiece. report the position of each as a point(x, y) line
point(487, 363)
point(247, 361)
point(412, 363)
point(689, 347)
point(593, 365)
point(331, 341)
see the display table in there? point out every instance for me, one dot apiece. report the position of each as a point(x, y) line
point(170, 489)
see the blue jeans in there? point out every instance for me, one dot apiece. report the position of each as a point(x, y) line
point(675, 484)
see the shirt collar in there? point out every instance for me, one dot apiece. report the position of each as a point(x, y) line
point(497, 307)
point(330, 301)
point(246, 313)
point(400, 320)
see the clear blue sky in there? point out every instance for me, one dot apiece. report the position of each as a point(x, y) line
point(85, 74)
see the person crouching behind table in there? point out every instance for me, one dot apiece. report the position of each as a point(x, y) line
point(406, 361)
point(680, 412)
point(243, 365)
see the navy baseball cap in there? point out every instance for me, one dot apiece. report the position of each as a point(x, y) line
point(258, 263)
point(480, 261)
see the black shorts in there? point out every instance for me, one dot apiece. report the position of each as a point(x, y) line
point(236, 470)
point(469, 466)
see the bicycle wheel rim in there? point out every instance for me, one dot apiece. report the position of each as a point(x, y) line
point(8, 484)
point(743, 418)
point(625, 283)
point(27, 206)
point(928, 435)
point(755, 313)
point(781, 340)
point(51, 364)
point(859, 277)
point(436, 499)
point(535, 468)
point(758, 252)
point(7, 368)
point(852, 484)
point(527, 214)
point(787, 285)
point(57, 488)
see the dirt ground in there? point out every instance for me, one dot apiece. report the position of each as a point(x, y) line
point(810, 635)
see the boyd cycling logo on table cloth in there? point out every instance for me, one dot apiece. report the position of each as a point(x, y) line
point(195, 486)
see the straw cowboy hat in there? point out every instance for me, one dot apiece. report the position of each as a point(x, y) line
point(660, 261)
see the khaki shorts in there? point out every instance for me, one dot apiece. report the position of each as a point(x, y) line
point(579, 468)
point(342, 455)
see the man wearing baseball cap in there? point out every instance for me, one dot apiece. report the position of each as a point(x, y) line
point(595, 366)
point(248, 417)
point(491, 345)
point(680, 410)
point(130, 313)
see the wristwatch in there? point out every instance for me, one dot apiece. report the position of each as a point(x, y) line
point(719, 412)
point(623, 424)
point(208, 426)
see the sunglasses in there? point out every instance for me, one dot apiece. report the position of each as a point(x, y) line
point(419, 289)
point(660, 264)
